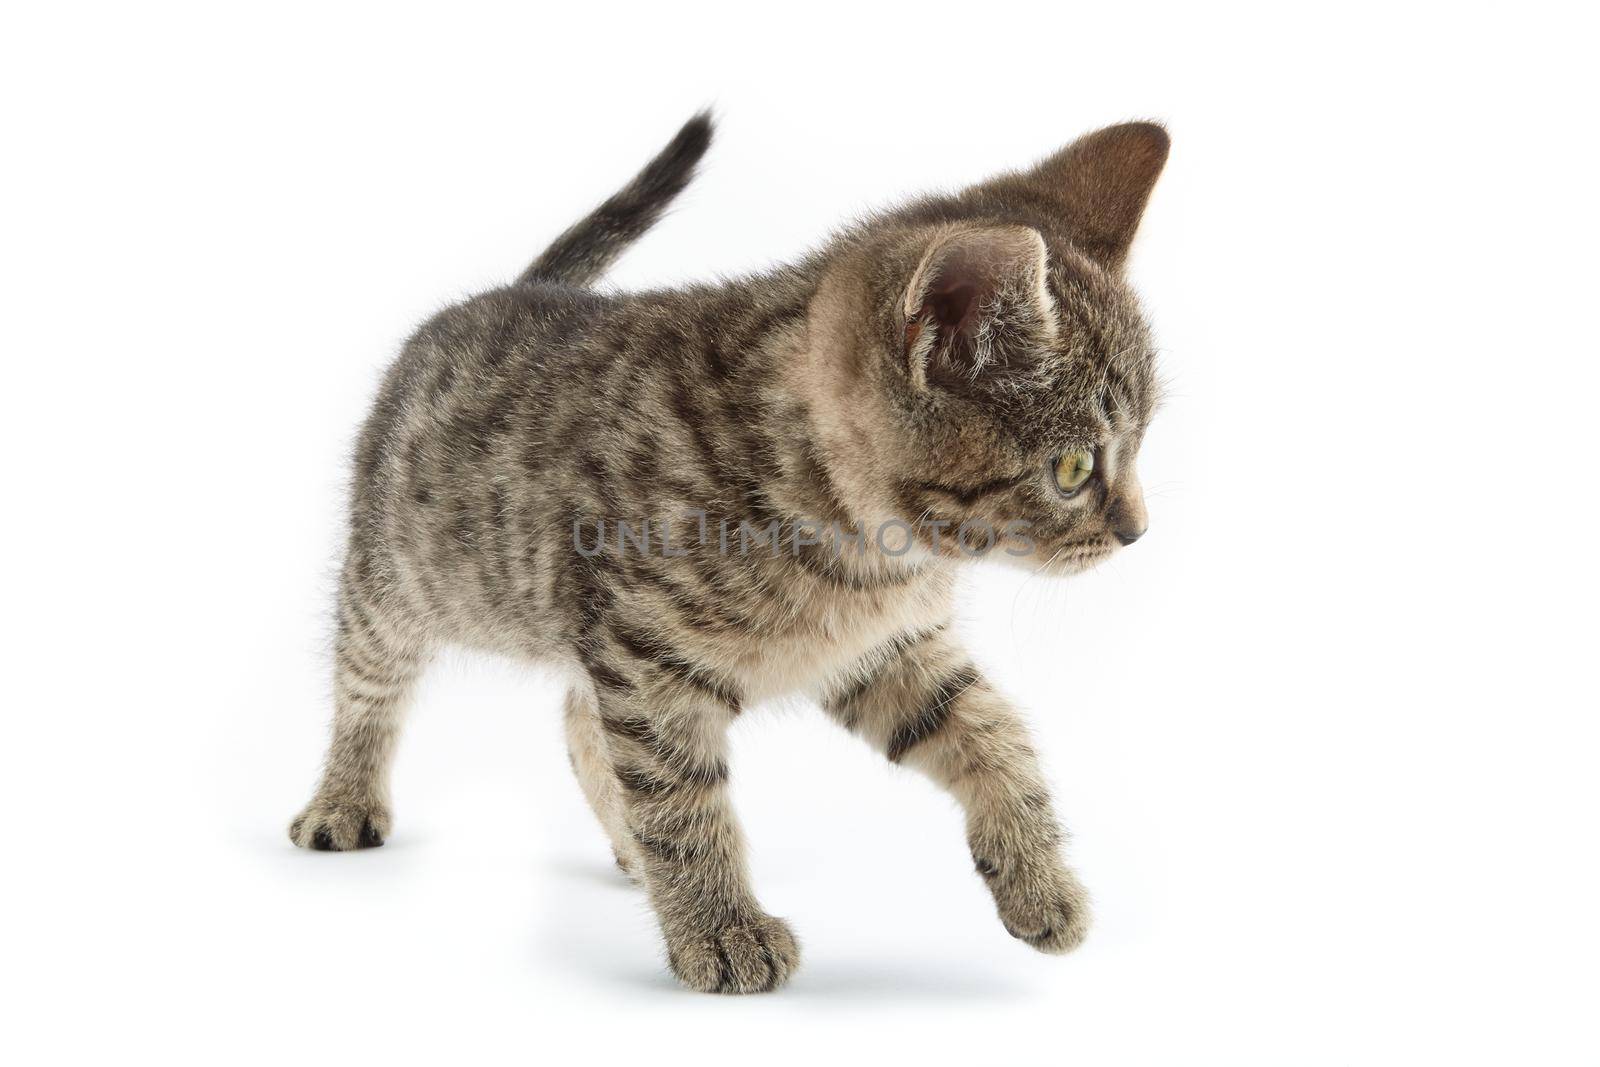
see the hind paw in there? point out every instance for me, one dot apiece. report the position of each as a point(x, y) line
point(340, 826)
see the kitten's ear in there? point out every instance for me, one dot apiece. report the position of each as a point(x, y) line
point(1101, 183)
point(976, 302)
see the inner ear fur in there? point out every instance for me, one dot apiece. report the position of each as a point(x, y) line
point(976, 295)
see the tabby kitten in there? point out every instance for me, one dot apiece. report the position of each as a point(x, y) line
point(688, 501)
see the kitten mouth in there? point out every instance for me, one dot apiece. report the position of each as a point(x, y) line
point(1079, 557)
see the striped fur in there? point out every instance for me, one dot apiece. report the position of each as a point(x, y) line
point(925, 368)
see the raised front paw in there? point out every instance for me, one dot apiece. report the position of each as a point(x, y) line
point(1040, 903)
point(754, 956)
point(338, 826)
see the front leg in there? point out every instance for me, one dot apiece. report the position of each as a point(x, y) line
point(920, 701)
point(666, 724)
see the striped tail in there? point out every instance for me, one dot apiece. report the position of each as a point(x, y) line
point(581, 255)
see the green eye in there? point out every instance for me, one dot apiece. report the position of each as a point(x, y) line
point(1073, 470)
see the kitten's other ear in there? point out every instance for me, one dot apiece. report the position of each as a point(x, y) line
point(976, 303)
point(1101, 183)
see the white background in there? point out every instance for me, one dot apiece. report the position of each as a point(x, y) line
point(1326, 738)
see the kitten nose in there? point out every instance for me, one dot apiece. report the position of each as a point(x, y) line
point(1127, 517)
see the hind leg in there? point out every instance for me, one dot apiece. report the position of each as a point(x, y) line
point(591, 761)
point(376, 664)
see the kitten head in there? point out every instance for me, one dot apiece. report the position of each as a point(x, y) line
point(993, 372)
